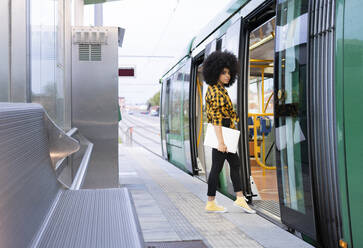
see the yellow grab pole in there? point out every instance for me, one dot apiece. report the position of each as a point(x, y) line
point(268, 101)
point(262, 60)
point(260, 66)
point(201, 112)
point(263, 154)
point(263, 90)
point(263, 111)
point(265, 114)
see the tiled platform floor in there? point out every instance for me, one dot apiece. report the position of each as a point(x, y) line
point(170, 207)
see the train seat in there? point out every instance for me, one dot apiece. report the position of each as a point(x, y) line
point(36, 210)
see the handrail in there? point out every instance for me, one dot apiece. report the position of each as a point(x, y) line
point(262, 60)
point(78, 179)
point(80, 174)
point(255, 124)
point(70, 133)
point(268, 101)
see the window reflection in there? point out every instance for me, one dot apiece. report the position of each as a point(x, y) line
point(46, 57)
point(291, 59)
point(163, 115)
point(175, 100)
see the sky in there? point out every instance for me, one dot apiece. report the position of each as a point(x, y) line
point(157, 33)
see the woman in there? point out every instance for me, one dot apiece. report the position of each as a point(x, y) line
point(219, 71)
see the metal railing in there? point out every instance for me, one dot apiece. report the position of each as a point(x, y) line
point(78, 179)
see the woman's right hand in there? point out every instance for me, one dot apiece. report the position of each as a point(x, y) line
point(222, 147)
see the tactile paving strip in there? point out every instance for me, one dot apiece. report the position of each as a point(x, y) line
point(216, 230)
point(177, 244)
point(152, 204)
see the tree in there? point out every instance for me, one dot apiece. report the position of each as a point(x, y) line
point(155, 100)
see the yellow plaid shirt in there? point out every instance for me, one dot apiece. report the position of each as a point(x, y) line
point(219, 106)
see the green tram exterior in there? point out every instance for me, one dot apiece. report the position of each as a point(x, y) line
point(324, 69)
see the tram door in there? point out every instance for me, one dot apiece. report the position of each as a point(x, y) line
point(292, 153)
point(203, 153)
point(164, 116)
point(230, 42)
point(261, 135)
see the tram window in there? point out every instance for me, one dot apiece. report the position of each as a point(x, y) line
point(211, 47)
point(174, 103)
point(165, 106)
point(232, 37)
point(187, 76)
point(219, 44)
point(180, 76)
point(231, 43)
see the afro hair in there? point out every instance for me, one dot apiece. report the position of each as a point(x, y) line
point(215, 63)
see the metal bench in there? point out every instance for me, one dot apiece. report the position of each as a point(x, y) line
point(36, 210)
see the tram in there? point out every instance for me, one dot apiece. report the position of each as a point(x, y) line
point(298, 99)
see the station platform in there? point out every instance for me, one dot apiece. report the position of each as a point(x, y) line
point(170, 207)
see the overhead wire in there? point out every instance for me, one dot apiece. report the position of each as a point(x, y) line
point(147, 63)
point(164, 31)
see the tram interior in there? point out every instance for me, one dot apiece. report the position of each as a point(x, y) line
point(260, 116)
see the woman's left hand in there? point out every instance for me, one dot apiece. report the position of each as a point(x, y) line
point(222, 147)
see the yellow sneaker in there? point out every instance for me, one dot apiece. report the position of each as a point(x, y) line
point(212, 207)
point(241, 203)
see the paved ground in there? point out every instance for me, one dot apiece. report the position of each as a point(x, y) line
point(170, 206)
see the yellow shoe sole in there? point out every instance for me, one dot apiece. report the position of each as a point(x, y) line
point(216, 211)
point(250, 211)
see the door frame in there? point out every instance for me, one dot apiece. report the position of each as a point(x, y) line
point(247, 25)
point(196, 61)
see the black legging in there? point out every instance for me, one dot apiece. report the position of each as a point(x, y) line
point(218, 159)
